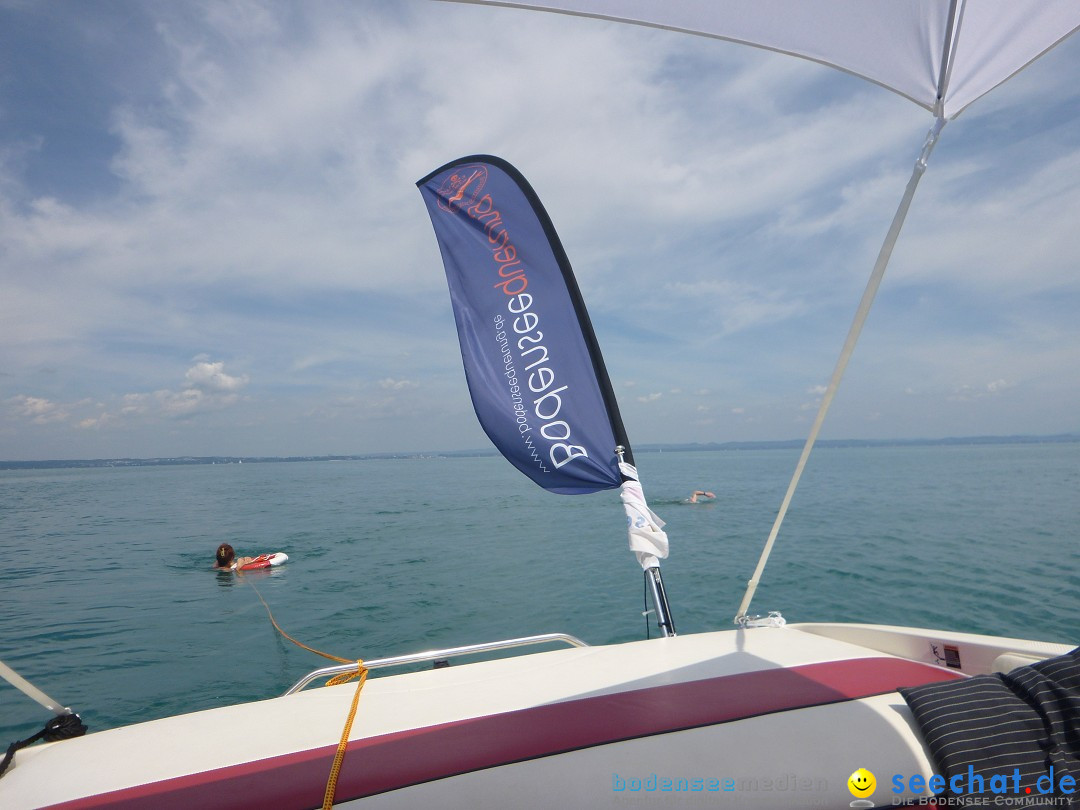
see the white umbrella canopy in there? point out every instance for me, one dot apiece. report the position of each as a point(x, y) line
point(941, 54)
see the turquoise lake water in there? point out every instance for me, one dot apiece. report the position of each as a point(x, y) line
point(108, 602)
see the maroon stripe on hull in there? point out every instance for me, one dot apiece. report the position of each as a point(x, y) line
point(404, 758)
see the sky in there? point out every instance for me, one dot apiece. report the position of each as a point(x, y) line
point(211, 242)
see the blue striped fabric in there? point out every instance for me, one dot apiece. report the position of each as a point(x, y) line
point(1022, 727)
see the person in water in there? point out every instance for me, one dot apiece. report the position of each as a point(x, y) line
point(700, 493)
point(226, 558)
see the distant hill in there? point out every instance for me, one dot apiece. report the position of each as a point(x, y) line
point(789, 444)
point(797, 444)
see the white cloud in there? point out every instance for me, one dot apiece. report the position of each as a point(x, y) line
point(95, 422)
point(212, 377)
point(966, 392)
point(207, 388)
point(391, 384)
point(38, 410)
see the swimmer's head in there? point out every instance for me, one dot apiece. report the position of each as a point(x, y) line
point(225, 555)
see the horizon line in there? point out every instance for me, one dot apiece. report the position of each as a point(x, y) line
point(744, 444)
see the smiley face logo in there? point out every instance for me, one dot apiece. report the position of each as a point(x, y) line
point(861, 783)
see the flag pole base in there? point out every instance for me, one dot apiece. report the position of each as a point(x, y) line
point(660, 601)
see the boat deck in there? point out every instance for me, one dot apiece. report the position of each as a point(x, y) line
point(735, 717)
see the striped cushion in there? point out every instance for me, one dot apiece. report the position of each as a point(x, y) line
point(1027, 720)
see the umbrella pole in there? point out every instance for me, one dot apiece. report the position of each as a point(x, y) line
point(31, 691)
point(845, 354)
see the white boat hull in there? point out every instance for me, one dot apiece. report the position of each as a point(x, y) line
point(767, 717)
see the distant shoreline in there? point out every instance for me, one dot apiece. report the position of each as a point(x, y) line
point(788, 444)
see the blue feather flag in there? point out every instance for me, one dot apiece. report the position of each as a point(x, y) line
point(537, 380)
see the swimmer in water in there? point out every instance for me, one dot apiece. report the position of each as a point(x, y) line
point(226, 559)
point(700, 493)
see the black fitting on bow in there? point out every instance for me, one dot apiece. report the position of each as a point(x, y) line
point(61, 727)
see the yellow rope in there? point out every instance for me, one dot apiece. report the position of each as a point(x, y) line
point(339, 756)
point(361, 673)
point(290, 638)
